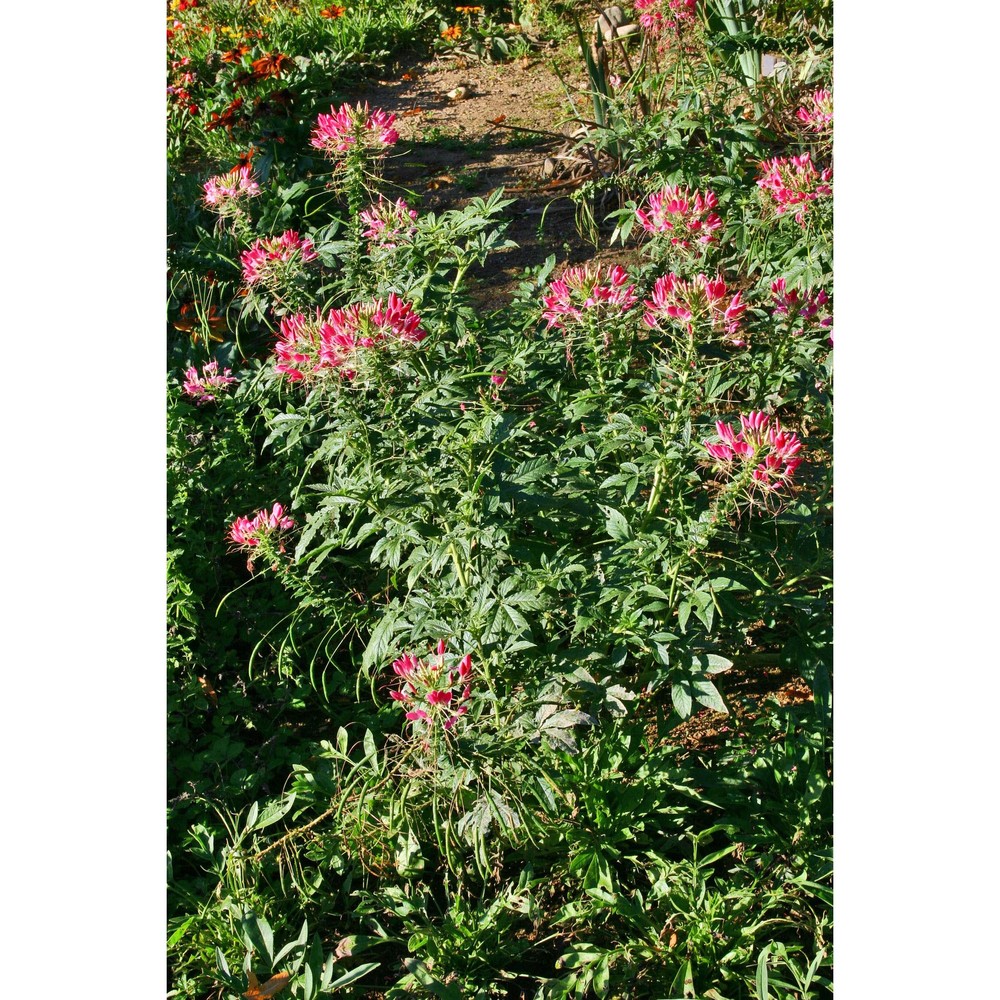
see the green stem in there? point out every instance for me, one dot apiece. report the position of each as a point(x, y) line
point(462, 579)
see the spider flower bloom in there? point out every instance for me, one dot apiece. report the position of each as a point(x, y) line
point(430, 691)
point(346, 128)
point(657, 17)
point(761, 445)
point(262, 533)
point(686, 215)
point(347, 332)
point(700, 300)
point(793, 183)
point(579, 291)
point(203, 387)
point(807, 304)
point(388, 223)
point(275, 256)
point(820, 115)
point(224, 193)
point(298, 346)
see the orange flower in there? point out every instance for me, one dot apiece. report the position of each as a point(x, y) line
point(452, 34)
point(270, 65)
point(332, 11)
point(469, 10)
point(235, 55)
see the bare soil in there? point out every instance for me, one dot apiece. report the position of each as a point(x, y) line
point(467, 129)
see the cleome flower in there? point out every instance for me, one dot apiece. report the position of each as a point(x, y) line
point(348, 128)
point(658, 17)
point(817, 113)
point(760, 445)
point(203, 387)
point(806, 304)
point(224, 193)
point(431, 692)
point(308, 347)
point(687, 216)
point(274, 257)
point(263, 534)
point(389, 223)
point(700, 300)
point(578, 291)
point(793, 182)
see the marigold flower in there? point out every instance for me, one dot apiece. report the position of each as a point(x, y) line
point(225, 192)
point(388, 223)
point(579, 291)
point(686, 215)
point(202, 387)
point(269, 258)
point(348, 127)
point(820, 115)
point(431, 691)
point(452, 33)
point(772, 452)
point(793, 183)
point(700, 300)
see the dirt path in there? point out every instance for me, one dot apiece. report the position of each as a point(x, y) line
point(467, 129)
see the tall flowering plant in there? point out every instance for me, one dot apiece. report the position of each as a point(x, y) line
point(432, 693)
point(701, 303)
point(357, 341)
point(202, 387)
point(759, 459)
point(793, 184)
point(227, 196)
point(584, 302)
point(355, 140)
point(684, 219)
point(817, 111)
point(261, 536)
point(388, 224)
point(276, 263)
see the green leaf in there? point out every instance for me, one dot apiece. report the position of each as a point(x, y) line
point(258, 933)
point(761, 979)
point(681, 698)
point(706, 693)
point(615, 524)
point(354, 975)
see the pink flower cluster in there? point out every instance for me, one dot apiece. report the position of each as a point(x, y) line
point(223, 193)
point(344, 129)
point(204, 386)
point(388, 223)
point(686, 215)
point(261, 532)
point(430, 692)
point(772, 451)
point(806, 304)
point(308, 347)
point(266, 257)
point(820, 115)
point(579, 291)
point(700, 300)
point(793, 183)
point(657, 17)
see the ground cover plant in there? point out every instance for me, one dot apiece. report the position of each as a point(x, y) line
point(499, 628)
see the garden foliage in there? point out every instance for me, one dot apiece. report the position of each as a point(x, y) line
point(443, 582)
